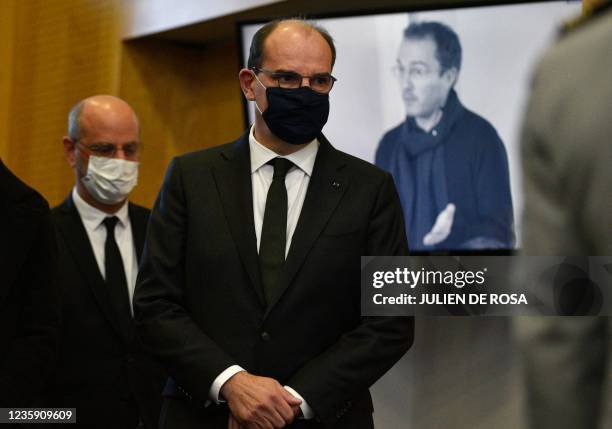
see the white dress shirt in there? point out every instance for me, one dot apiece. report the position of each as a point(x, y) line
point(92, 219)
point(296, 182)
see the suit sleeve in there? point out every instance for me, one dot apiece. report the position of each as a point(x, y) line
point(32, 353)
point(330, 382)
point(162, 319)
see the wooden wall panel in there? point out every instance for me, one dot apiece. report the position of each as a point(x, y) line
point(187, 98)
point(7, 24)
point(63, 50)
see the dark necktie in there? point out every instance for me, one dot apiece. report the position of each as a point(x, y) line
point(115, 275)
point(274, 229)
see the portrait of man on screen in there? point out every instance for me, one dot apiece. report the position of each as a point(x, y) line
point(449, 164)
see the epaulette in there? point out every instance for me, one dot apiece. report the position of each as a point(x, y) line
point(586, 17)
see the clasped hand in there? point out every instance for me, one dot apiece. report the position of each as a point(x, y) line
point(258, 402)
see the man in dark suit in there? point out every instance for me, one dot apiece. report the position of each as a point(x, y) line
point(29, 307)
point(249, 288)
point(102, 369)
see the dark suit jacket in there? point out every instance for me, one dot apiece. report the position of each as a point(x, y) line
point(29, 308)
point(199, 303)
point(102, 370)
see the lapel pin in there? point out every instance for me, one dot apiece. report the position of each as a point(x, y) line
point(336, 185)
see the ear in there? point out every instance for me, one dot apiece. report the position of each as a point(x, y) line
point(69, 150)
point(247, 78)
point(450, 76)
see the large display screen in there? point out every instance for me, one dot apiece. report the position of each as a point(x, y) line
point(437, 98)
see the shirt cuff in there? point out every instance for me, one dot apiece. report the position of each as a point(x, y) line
point(217, 384)
point(307, 412)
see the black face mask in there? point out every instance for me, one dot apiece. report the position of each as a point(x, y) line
point(296, 116)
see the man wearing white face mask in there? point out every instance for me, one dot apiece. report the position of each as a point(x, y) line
point(102, 369)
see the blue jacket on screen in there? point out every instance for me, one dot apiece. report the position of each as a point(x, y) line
point(461, 161)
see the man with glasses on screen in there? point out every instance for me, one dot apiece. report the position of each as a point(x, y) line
point(449, 164)
point(102, 370)
point(249, 289)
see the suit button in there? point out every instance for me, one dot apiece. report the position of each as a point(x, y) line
point(129, 358)
point(265, 336)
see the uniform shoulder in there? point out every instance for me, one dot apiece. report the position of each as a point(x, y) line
point(582, 47)
point(588, 16)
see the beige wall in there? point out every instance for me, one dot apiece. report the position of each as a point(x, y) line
point(187, 98)
point(61, 51)
point(7, 12)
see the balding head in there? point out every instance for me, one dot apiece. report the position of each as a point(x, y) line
point(258, 44)
point(99, 113)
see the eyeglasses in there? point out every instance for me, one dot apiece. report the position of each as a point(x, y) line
point(321, 83)
point(109, 150)
point(413, 72)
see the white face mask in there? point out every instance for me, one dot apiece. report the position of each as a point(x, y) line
point(110, 180)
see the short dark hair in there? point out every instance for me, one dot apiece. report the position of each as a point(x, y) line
point(256, 53)
point(448, 47)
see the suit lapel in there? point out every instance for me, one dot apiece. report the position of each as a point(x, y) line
point(78, 244)
point(325, 190)
point(138, 222)
point(234, 185)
